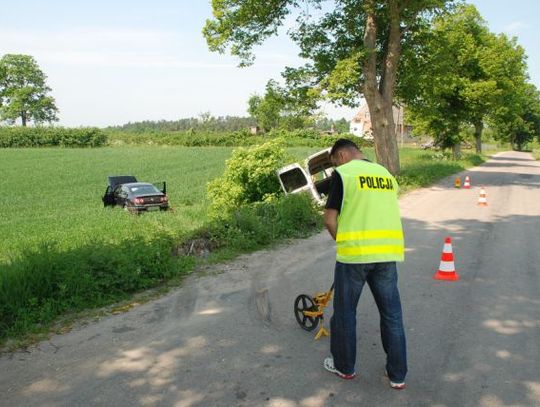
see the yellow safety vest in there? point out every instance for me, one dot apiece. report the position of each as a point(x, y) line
point(369, 226)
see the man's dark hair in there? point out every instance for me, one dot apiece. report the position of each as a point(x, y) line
point(343, 144)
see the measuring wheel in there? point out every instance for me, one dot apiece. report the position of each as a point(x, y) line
point(305, 303)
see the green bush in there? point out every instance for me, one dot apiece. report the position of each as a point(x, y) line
point(258, 224)
point(250, 176)
point(51, 137)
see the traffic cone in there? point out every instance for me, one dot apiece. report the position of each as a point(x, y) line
point(467, 183)
point(457, 183)
point(447, 270)
point(482, 199)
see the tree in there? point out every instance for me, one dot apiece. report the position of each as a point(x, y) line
point(342, 125)
point(266, 109)
point(23, 91)
point(518, 121)
point(460, 76)
point(354, 48)
point(279, 108)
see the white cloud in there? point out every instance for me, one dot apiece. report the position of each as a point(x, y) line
point(515, 27)
point(101, 47)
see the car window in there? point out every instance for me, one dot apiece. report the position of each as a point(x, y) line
point(144, 190)
point(120, 192)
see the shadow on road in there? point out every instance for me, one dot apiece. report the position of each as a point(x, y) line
point(476, 339)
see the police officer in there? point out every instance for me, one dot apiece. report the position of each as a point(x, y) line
point(362, 216)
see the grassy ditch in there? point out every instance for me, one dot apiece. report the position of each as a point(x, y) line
point(47, 282)
point(62, 252)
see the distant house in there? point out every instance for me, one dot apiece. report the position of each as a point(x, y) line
point(360, 125)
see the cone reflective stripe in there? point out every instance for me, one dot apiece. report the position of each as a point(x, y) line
point(447, 269)
point(467, 183)
point(482, 199)
point(457, 182)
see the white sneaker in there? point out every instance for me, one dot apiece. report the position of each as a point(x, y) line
point(329, 365)
point(395, 385)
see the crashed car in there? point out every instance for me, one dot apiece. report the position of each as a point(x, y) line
point(125, 191)
point(313, 178)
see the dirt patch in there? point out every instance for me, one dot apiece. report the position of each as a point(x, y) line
point(200, 247)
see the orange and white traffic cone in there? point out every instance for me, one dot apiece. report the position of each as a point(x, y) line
point(447, 269)
point(482, 199)
point(467, 183)
point(457, 183)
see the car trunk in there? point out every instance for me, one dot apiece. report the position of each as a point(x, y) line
point(151, 199)
point(120, 179)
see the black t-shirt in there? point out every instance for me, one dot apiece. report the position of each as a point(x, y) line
point(335, 193)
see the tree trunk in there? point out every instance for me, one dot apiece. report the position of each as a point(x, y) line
point(23, 118)
point(456, 151)
point(478, 127)
point(379, 91)
point(382, 125)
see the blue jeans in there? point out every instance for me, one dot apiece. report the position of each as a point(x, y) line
point(349, 280)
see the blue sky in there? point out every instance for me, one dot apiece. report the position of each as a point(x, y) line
point(113, 62)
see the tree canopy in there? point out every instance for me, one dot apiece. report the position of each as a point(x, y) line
point(24, 92)
point(519, 121)
point(352, 49)
point(462, 75)
point(278, 108)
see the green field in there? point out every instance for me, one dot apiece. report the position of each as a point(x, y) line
point(53, 195)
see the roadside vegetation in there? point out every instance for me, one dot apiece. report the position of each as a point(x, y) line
point(536, 151)
point(62, 252)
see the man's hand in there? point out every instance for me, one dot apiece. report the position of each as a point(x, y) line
point(330, 221)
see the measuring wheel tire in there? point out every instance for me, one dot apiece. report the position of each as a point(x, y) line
point(305, 303)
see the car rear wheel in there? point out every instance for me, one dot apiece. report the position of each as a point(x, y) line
point(132, 210)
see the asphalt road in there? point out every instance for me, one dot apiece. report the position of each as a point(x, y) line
point(229, 337)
